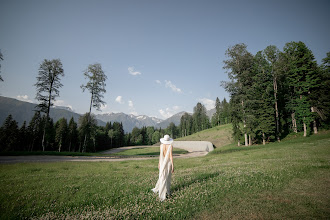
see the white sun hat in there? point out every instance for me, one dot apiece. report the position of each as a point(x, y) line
point(166, 140)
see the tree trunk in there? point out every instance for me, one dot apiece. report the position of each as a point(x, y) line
point(276, 111)
point(88, 120)
point(238, 143)
point(59, 147)
point(250, 140)
point(314, 122)
point(294, 123)
point(305, 129)
point(244, 125)
point(246, 139)
point(263, 139)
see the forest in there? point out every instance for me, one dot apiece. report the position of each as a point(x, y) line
point(272, 94)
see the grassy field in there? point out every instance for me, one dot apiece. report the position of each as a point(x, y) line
point(147, 151)
point(287, 180)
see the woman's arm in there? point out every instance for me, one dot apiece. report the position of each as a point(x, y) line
point(160, 154)
point(171, 158)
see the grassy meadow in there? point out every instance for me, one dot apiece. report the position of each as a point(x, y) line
point(147, 151)
point(287, 180)
point(219, 136)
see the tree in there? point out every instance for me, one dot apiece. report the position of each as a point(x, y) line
point(200, 119)
point(150, 132)
point(172, 130)
point(320, 96)
point(23, 137)
point(272, 55)
point(239, 67)
point(1, 59)
point(263, 98)
point(111, 134)
point(302, 78)
point(35, 130)
point(8, 135)
point(217, 111)
point(156, 137)
point(96, 87)
point(61, 132)
point(48, 84)
point(186, 123)
point(73, 134)
point(87, 123)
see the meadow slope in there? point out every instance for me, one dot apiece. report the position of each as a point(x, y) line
point(287, 180)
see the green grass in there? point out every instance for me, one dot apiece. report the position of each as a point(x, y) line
point(53, 153)
point(219, 136)
point(287, 180)
point(147, 151)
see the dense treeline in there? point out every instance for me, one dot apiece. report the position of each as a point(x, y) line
point(66, 135)
point(60, 136)
point(276, 92)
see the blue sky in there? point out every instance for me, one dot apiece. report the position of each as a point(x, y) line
point(161, 57)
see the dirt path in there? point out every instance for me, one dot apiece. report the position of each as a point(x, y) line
point(41, 159)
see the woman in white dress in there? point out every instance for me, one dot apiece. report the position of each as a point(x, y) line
point(166, 168)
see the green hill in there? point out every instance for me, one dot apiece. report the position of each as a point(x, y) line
point(219, 136)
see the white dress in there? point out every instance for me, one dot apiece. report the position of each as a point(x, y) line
point(164, 181)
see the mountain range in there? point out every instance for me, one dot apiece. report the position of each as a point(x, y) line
point(24, 111)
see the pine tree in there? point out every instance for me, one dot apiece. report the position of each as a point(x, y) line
point(9, 135)
point(302, 78)
point(35, 131)
point(272, 55)
point(61, 132)
point(88, 124)
point(238, 67)
point(320, 96)
point(73, 134)
point(263, 102)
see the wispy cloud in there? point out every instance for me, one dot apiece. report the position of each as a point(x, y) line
point(119, 99)
point(158, 81)
point(131, 108)
point(208, 103)
point(62, 103)
point(132, 71)
point(169, 84)
point(130, 104)
point(24, 98)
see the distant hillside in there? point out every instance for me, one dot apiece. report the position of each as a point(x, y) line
point(219, 136)
point(24, 111)
point(175, 119)
point(129, 121)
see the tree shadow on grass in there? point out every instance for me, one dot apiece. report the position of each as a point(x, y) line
point(196, 179)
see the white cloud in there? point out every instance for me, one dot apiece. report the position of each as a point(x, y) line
point(62, 104)
point(130, 104)
point(169, 84)
point(132, 71)
point(103, 107)
point(158, 82)
point(119, 99)
point(208, 103)
point(134, 113)
point(168, 112)
point(131, 108)
point(24, 98)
